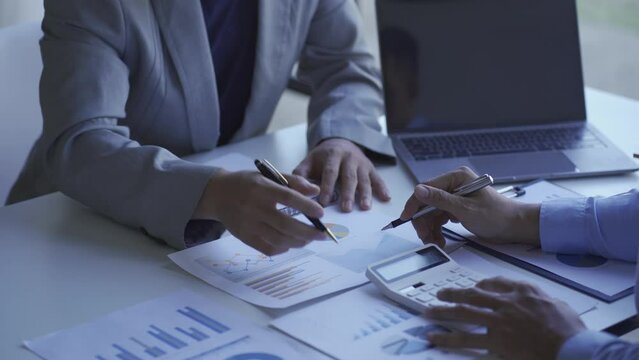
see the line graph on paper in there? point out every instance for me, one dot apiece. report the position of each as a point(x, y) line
point(242, 265)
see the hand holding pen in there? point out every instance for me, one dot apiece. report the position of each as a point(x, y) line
point(270, 172)
point(245, 202)
point(485, 212)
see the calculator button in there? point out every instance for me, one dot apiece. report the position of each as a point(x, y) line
point(474, 278)
point(436, 302)
point(453, 278)
point(465, 283)
point(464, 273)
point(413, 293)
point(440, 283)
point(424, 299)
point(434, 292)
point(456, 269)
point(426, 288)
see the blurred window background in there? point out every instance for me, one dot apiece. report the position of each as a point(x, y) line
point(609, 38)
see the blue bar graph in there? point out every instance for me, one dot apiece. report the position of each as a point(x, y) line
point(174, 337)
point(194, 333)
point(203, 319)
point(153, 351)
point(166, 338)
point(383, 318)
point(124, 353)
point(405, 315)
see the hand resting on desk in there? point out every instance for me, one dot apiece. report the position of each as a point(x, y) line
point(339, 162)
point(522, 322)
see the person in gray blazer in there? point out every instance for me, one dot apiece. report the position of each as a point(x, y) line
point(131, 86)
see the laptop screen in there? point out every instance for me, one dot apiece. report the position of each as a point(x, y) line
point(467, 64)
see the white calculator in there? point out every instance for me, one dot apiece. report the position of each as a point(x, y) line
point(413, 278)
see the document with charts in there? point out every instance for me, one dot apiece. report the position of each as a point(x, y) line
point(298, 275)
point(182, 325)
point(602, 278)
point(363, 324)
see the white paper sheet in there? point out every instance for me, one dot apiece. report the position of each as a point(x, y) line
point(298, 275)
point(607, 276)
point(363, 324)
point(182, 325)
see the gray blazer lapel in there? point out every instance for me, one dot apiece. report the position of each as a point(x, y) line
point(182, 26)
point(271, 56)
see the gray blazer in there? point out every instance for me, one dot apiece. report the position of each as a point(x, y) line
point(128, 87)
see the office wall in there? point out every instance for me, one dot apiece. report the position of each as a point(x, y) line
point(18, 11)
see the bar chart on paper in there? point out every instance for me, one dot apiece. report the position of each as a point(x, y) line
point(181, 326)
point(380, 318)
point(298, 275)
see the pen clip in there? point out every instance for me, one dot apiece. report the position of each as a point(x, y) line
point(512, 191)
point(276, 174)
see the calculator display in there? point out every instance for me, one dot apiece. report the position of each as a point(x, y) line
point(411, 264)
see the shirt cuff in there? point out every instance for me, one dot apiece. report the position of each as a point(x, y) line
point(584, 345)
point(200, 231)
point(559, 215)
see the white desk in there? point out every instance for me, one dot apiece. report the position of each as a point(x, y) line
point(62, 264)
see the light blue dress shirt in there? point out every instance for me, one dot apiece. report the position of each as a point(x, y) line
point(607, 227)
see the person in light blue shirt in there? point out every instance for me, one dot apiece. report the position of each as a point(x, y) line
point(522, 321)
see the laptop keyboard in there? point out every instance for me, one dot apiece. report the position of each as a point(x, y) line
point(501, 142)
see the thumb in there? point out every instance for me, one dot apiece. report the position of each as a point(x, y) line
point(440, 199)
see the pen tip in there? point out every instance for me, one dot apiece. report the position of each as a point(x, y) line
point(389, 226)
point(331, 235)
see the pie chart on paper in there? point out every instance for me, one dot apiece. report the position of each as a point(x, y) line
point(581, 261)
point(340, 231)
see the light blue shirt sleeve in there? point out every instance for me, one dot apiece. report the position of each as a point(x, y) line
point(597, 345)
point(608, 227)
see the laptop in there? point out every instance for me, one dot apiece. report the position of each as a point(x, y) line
point(495, 85)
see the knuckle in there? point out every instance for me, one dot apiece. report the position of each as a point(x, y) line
point(349, 176)
point(466, 170)
point(436, 195)
point(280, 222)
point(529, 301)
point(364, 184)
point(523, 286)
point(288, 197)
point(330, 171)
point(333, 151)
point(459, 310)
point(295, 178)
point(349, 157)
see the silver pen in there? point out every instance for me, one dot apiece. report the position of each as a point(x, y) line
point(473, 186)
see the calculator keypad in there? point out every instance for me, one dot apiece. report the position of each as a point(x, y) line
point(426, 294)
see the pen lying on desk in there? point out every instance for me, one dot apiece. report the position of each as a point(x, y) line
point(473, 186)
point(270, 172)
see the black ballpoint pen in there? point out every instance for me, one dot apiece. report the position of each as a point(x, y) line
point(270, 172)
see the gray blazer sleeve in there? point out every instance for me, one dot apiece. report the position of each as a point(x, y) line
point(83, 91)
point(347, 92)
